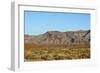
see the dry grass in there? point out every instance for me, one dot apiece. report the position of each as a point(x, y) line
point(41, 54)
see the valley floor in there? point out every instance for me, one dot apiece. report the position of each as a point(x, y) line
point(43, 54)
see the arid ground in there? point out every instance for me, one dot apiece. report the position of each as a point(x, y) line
point(56, 45)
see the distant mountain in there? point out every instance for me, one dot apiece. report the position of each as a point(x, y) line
point(57, 39)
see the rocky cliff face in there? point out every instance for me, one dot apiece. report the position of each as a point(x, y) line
point(56, 39)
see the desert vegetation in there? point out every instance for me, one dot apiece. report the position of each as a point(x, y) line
point(38, 54)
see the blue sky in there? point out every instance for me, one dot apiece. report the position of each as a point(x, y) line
point(40, 22)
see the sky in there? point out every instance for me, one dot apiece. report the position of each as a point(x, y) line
point(36, 22)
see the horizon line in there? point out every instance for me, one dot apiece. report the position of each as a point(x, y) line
point(60, 31)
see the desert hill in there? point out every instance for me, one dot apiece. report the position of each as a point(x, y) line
point(57, 39)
